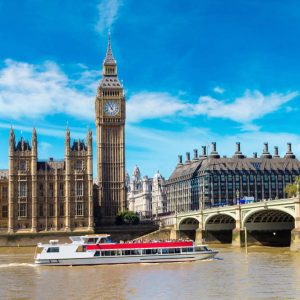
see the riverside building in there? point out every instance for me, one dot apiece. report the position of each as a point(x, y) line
point(211, 180)
point(145, 195)
point(47, 195)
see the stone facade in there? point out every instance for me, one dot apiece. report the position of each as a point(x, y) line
point(47, 195)
point(146, 196)
point(211, 180)
point(3, 199)
point(110, 129)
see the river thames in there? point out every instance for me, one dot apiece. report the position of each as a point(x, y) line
point(265, 273)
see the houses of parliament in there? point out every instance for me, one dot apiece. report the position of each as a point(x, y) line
point(59, 195)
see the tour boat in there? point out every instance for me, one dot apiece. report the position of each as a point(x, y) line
point(99, 250)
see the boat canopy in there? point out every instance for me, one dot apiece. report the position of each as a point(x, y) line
point(89, 239)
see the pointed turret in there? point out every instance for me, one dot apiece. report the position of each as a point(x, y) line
point(67, 142)
point(89, 140)
point(109, 58)
point(12, 140)
point(34, 142)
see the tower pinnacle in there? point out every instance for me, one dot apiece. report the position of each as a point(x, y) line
point(109, 58)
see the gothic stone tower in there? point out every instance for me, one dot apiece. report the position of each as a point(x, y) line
point(110, 125)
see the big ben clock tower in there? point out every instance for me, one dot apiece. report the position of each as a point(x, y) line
point(110, 127)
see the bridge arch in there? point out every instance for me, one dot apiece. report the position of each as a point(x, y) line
point(189, 223)
point(218, 227)
point(270, 215)
point(224, 221)
point(187, 227)
point(269, 227)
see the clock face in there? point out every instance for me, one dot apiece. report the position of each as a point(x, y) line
point(111, 108)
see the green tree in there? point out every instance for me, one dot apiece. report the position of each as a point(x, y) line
point(127, 217)
point(291, 188)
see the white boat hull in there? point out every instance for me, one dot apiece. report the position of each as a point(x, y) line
point(110, 260)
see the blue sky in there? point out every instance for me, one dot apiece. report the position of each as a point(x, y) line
point(193, 71)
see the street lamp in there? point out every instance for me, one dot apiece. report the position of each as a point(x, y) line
point(237, 196)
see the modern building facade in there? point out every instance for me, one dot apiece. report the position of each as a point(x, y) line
point(47, 195)
point(110, 131)
point(145, 195)
point(211, 180)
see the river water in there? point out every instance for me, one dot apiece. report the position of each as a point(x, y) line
point(263, 273)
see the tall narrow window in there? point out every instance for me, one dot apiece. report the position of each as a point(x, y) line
point(4, 211)
point(41, 210)
point(50, 189)
point(23, 189)
point(79, 209)
point(79, 165)
point(79, 188)
point(51, 210)
point(61, 209)
point(22, 209)
point(41, 190)
point(61, 189)
point(22, 165)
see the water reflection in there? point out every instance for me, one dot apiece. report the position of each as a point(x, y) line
point(264, 273)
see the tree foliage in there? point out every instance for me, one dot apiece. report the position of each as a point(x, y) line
point(127, 217)
point(291, 188)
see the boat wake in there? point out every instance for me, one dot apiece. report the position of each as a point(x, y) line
point(13, 265)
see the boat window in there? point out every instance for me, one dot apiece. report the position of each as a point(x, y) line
point(126, 252)
point(171, 250)
point(53, 250)
point(81, 249)
point(203, 248)
point(183, 250)
point(177, 250)
point(154, 251)
point(91, 240)
point(113, 253)
point(190, 249)
point(165, 251)
point(97, 253)
point(105, 253)
point(147, 251)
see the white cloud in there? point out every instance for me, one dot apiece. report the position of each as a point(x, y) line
point(150, 105)
point(108, 12)
point(249, 107)
point(218, 90)
point(33, 91)
point(30, 91)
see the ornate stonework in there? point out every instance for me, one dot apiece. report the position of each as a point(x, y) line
point(52, 195)
point(110, 126)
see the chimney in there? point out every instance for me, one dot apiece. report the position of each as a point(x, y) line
point(214, 152)
point(289, 147)
point(266, 152)
point(238, 147)
point(276, 152)
point(179, 159)
point(203, 151)
point(188, 160)
point(195, 154)
point(289, 152)
point(214, 147)
point(266, 148)
point(254, 154)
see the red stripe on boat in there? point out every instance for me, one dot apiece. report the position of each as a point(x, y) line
point(138, 245)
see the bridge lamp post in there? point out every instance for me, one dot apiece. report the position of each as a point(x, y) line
point(237, 193)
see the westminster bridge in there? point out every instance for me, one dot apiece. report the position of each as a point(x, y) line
point(273, 222)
